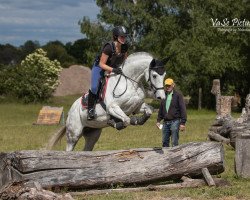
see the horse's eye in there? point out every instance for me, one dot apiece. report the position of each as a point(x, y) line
point(154, 76)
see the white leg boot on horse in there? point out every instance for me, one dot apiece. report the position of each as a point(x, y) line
point(140, 120)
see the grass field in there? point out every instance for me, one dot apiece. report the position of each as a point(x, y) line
point(18, 133)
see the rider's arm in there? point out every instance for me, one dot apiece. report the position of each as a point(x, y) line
point(103, 61)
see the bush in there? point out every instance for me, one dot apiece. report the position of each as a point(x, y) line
point(36, 78)
point(155, 104)
point(2, 80)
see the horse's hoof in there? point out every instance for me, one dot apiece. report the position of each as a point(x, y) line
point(120, 126)
point(133, 120)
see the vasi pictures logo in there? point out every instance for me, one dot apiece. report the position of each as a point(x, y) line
point(231, 25)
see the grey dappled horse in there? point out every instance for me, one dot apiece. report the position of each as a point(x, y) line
point(124, 96)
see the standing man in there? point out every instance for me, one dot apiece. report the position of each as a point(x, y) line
point(173, 113)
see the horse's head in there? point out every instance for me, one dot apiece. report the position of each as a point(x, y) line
point(155, 78)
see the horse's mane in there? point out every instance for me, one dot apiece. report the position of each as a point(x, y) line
point(137, 56)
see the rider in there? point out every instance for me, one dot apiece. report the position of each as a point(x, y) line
point(112, 56)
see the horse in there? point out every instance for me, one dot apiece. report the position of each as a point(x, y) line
point(125, 94)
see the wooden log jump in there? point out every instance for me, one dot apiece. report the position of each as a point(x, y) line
point(53, 169)
point(225, 128)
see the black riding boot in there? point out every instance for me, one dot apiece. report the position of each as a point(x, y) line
point(91, 106)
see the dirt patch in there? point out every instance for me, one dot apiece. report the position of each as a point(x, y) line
point(73, 80)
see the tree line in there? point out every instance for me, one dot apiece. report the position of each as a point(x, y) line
point(68, 54)
point(210, 39)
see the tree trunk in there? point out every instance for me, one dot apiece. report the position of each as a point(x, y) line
point(200, 99)
point(225, 127)
point(217, 137)
point(186, 183)
point(242, 155)
point(105, 168)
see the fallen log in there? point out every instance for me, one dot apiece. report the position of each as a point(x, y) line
point(217, 137)
point(209, 179)
point(53, 169)
point(20, 192)
point(226, 127)
point(187, 183)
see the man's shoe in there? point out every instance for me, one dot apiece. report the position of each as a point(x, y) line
point(91, 114)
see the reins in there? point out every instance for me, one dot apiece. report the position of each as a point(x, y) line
point(126, 77)
point(155, 65)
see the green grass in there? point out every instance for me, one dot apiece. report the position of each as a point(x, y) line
point(19, 133)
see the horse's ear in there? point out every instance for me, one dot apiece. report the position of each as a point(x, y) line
point(165, 60)
point(152, 64)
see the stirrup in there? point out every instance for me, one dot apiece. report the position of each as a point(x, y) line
point(91, 114)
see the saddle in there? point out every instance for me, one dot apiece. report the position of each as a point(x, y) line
point(100, 94)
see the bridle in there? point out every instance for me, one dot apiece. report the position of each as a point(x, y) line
point(158, 69)
point(150, 81)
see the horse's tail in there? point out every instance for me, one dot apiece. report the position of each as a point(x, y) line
point(56, 137)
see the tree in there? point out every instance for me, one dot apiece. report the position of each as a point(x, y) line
point(9, 55)
point(29, 47)
point(205, 52)
point(163, 27)
point(56, 50)
point(78, 50)
point(36, 78)
point(97, 34)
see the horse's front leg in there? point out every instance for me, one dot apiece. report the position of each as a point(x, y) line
point(147, 111)
point(115, 110)
point(145, 108)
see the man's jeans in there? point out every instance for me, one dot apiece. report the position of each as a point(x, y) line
point(170, 128)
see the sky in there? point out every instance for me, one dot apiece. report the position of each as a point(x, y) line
point(43, 20)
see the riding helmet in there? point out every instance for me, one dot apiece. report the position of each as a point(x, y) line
point(119, 31)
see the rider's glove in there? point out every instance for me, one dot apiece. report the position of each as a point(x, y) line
point(117, 70)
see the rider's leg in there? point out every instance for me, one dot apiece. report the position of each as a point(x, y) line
point(95, 79)
point(91, 105)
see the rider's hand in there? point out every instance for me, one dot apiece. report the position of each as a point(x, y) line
point(117, 70)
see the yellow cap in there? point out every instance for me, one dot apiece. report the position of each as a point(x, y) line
point(169, 81)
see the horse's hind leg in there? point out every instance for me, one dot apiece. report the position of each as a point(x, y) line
point(91, 136)
point(72, 139)
point(73, 133)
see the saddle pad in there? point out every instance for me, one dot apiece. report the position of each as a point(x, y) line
point(84, 100)
point(104, 88)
